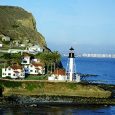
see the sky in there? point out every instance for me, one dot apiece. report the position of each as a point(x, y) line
point(87, 25)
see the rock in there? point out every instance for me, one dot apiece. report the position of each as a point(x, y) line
point(18, 25)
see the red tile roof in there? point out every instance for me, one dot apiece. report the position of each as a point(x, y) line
point(37, 64)
point(59, 72)
point(16, 67)
point(26, 54)
point(37, 68)
point(16, 71)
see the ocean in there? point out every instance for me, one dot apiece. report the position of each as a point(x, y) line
point(104, 68)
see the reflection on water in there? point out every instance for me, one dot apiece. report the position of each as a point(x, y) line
point(57, 110)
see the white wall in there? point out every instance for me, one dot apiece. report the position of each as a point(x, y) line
point(10, 72)
point(25, 60)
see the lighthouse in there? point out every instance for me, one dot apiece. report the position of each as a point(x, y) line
point(71, 67)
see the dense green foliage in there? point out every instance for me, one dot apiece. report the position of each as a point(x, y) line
point(10, 84)
point(51, 60)
point(11, 58)
point(0, 72)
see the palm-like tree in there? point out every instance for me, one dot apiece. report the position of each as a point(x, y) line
point(49, 59)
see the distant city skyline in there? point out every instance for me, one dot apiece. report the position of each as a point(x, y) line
point(87, 25)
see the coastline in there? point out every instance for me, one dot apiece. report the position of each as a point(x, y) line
point(15, 92)
point(54, 100)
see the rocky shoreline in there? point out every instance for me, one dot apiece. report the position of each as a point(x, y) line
point(53, 100)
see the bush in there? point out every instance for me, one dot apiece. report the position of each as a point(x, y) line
point(7, 77)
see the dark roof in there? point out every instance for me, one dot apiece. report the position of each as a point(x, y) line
point(71, 48)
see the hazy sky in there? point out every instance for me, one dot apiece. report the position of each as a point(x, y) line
point(88, 25)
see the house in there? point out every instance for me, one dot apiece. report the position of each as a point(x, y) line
point(25, 59)
point(14, 71)
point(6, 38)
point(35, 49)
point(22, 45)
point(58, 74)
point(34, 69)
point(1, 45)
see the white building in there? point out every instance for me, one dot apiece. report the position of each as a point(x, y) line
point(58, 75)
point(35, 49)
point(15, 71)
point(34, 69)
point(6, 38)
point(1, 45)
point(25, 59)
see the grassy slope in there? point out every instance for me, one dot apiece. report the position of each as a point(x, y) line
point(53, 88)
point(19, 30)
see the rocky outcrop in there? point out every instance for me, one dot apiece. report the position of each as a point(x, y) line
point(20, 26)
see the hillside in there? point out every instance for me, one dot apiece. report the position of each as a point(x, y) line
point(20, 26)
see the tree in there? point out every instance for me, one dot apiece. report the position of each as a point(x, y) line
point(49, 59)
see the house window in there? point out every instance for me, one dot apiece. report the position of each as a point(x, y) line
point(3, 74)
point(35, 71)
point(5, 69)
point(13, 74)
point(31, 66)
point(9, 69)
point(9, 73)
point(31, 70)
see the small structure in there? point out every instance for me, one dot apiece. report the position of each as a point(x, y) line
point(35, 49)
point(58, 74)
point(1, 45)
point(15, 71)
point(6, 38)
point(25, 59)
point(22, 45)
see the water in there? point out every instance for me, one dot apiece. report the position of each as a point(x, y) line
point(58, 110)
point(104, 68)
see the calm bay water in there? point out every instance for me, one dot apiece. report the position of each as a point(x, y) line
point(104, 68)
point(58, 110)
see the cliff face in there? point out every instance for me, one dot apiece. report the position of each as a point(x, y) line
point(20, 26)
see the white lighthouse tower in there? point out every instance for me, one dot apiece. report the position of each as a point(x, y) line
point(71, 67)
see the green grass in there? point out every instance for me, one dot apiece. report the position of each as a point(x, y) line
point(53, 88)
point(0, 72)
point(41, 77)
point(10, 84)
